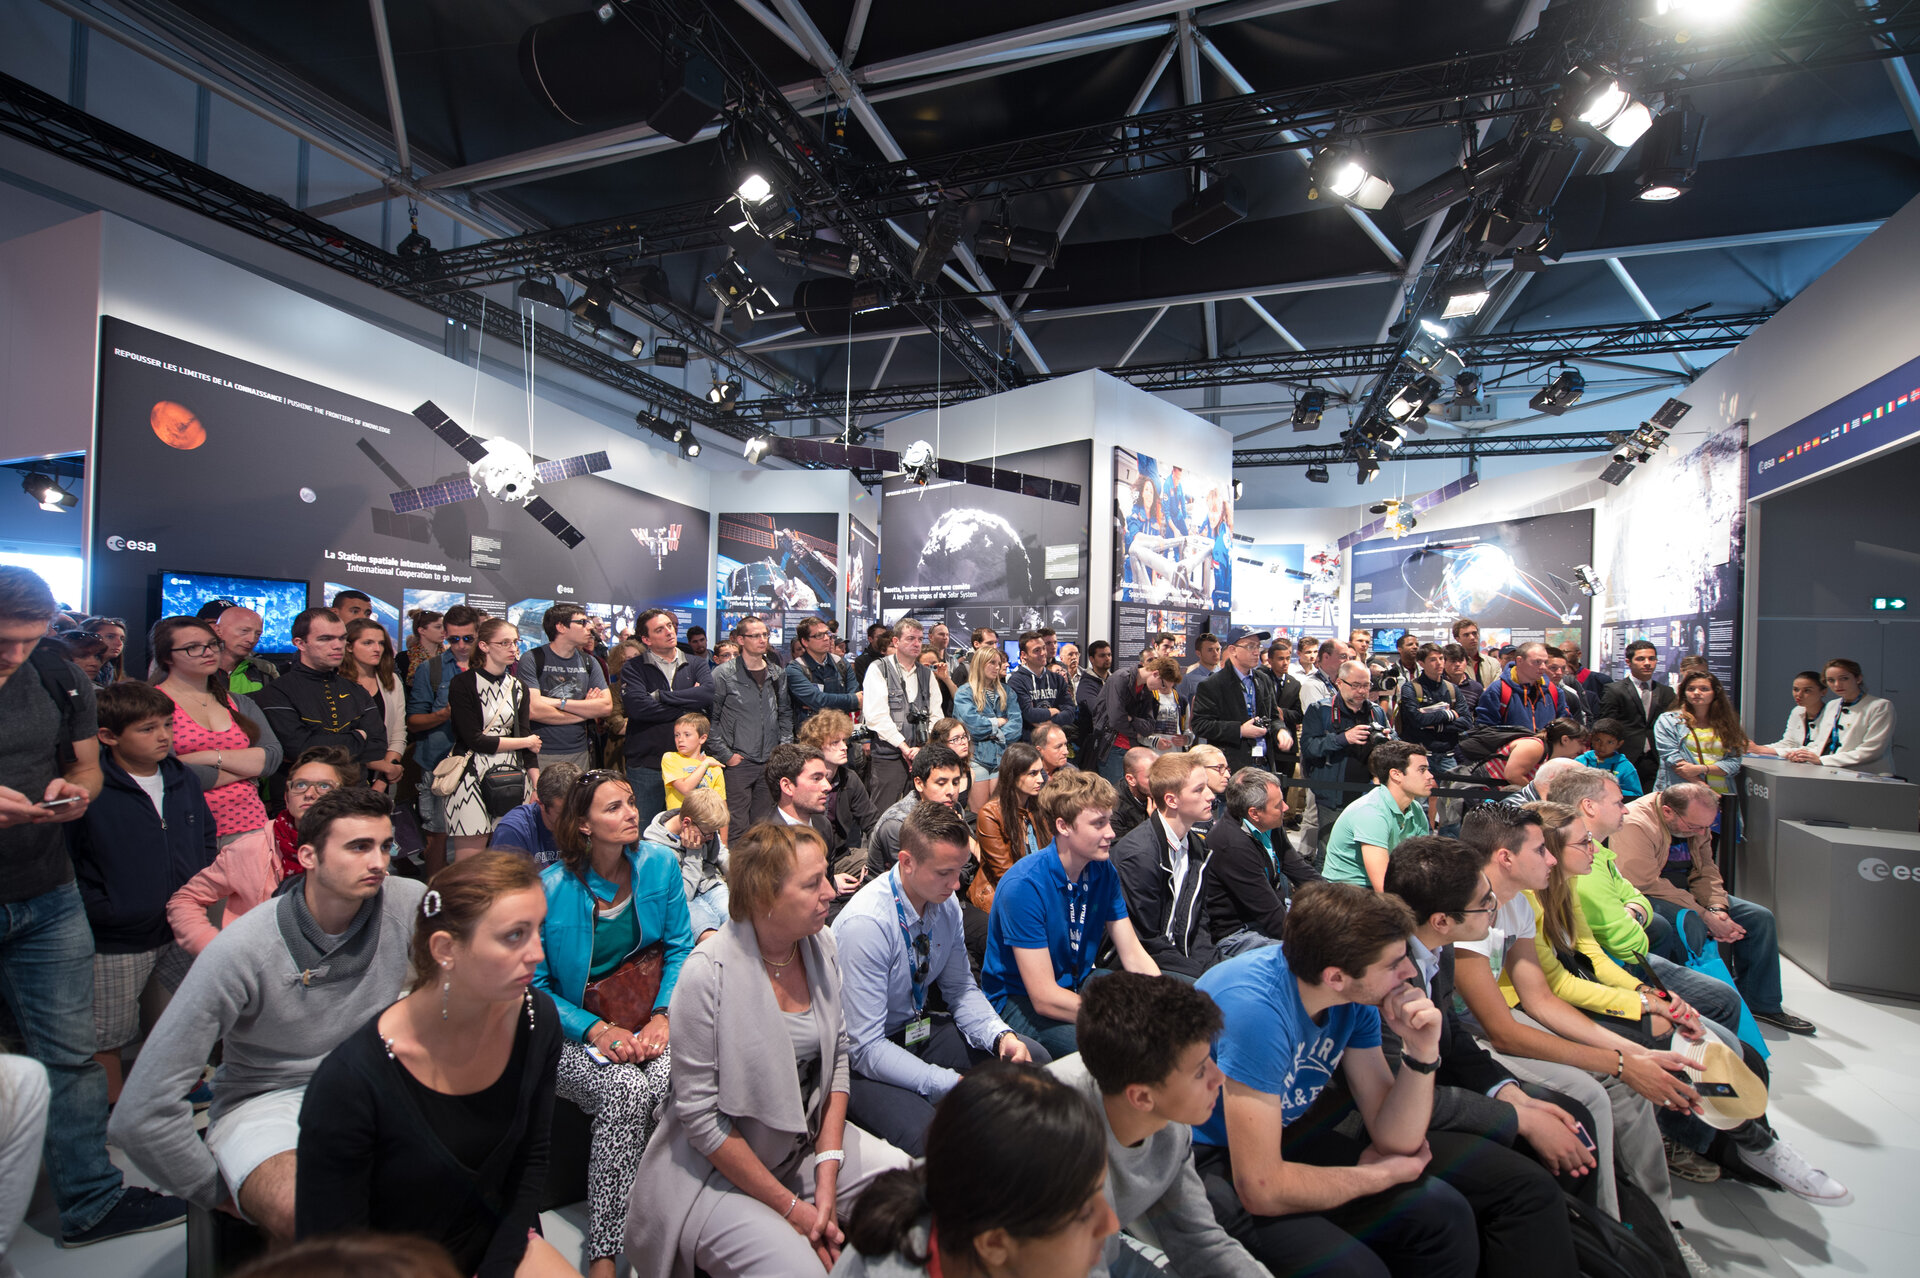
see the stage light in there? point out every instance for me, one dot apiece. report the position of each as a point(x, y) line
point(679, 434)
point(1435, 329)
point(1465, 297)
point(47, 491)
point(944, 227)
point(1018, 244)
point(754, 187)
point(1239, 490)
point(1367, 471)
point(1560, 394)
point(1342, 173)
point(689, 447)
point(1308, 408)
point(670, 356)
point(733, 288)
point(757, 448)
point(1596, 98)
point(1466, 388)
point(724, 394)
point(1413, 400)
point(1318, 475)
point(1670, 154)
point(1698, 13)
point(818, 253)
point(543, 291)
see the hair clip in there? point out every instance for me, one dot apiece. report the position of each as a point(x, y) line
point(430, 903)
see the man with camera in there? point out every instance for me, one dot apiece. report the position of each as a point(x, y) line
point(1336, 741)
point(1235, 712)
point(897, 700)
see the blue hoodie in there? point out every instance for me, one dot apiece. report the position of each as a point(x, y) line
point(128, 860)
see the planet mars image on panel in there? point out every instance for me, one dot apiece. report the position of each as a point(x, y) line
point(176, 426)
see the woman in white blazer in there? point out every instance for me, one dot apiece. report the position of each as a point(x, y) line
point(1809, 699)
point(1855, 728)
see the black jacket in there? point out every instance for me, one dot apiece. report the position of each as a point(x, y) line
point(1467, 1070)
point(1621, 701)
point(1220, 707)
point(1246, 889)
point(1124, 709)
point(1127, 814)
point(652, 705)
point(308, 707)
point(1147, 881)
point(128, 860)
point(1286, 699)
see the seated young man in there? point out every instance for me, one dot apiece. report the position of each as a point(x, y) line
point(528, 829)
point(1146, 1063)
point(899, 940)
point(1252, 869)
point(1163, 867)
point(1542, 1039)
point(1379, 820)
point(279, 988)
point(1297, 1014)
point(938, 775)
point(1065, 903)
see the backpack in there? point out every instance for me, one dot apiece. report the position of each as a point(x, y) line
point(62, 679)
point(1484, 742)
point(1650, 1229)
point(1553, 695)
point(1607, 1248)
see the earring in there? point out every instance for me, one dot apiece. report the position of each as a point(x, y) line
point(446, 988)
point(529, 1009)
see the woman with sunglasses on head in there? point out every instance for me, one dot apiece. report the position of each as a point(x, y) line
point(113, 632)
point(491, 715)
point(369, 663)
point(220, 734)
point(432, 1118)
point(427, 640)
point(617, 931)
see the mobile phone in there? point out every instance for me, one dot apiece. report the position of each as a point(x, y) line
point(58, 803)
point(1715, 1089)
point(594, 1054)
point(1653, 977)
point(1580, 1130)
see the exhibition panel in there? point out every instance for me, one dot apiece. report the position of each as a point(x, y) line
point(862, 576)
point(782, 567)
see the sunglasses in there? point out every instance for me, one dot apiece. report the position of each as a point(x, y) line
point(453, 639)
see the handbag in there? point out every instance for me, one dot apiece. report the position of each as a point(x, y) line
point(503, 788)
point(626, 996)
point(1707, 962)
point(447, 773)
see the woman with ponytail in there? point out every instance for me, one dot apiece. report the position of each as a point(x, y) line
point(1014, 1184)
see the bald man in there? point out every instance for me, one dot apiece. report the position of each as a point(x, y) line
point(1136, 803)
point(1337, 739)
point(239, 630)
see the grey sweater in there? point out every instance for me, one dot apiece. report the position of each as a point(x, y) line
point(1155, 1182)
point(245, 989)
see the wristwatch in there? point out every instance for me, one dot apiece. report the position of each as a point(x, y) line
point(997, 1037)
point(1420, 1067)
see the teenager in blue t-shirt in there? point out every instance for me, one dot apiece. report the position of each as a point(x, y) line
point(1054, 910)
point(1295, 1013)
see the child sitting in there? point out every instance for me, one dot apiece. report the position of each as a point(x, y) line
point(688, 767)
point(148, 832)
point(1606, 738)
point(698, 832)
point(251, 868)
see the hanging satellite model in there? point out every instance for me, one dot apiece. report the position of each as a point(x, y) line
point(502, 469)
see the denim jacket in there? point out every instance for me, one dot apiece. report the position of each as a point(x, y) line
point(989, 742)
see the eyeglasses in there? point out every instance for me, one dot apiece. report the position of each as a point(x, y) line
point(197, 649)
point(453, 639)
point(1360, 686)
point(311, 787)
point(1216, 767)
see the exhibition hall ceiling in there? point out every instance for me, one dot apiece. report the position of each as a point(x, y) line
point(1794, 165)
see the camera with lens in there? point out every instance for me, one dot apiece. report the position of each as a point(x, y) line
point(860, 735)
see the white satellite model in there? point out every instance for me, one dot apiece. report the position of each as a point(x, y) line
point(504, 470)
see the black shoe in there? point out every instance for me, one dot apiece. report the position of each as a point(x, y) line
point(138, 1211)
point(1787, 1021)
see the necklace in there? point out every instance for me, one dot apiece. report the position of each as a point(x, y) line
point(791, 955)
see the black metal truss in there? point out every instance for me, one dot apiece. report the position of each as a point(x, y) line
point(1495, 356)
point(47, 122)
point(1772, 40)
point(1469, 446)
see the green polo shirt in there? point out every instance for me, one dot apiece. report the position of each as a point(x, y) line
point(1372, 818)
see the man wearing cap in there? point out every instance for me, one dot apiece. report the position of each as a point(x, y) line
point(1235, 712)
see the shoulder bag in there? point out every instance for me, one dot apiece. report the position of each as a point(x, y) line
point(626, 996)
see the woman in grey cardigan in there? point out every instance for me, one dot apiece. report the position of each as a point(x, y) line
point(754, 1162)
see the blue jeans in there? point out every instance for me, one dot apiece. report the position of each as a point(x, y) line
point(46, 977)
point(1114, 767)
point(1756, 956)
point(1058, 1037)
point(649, 793)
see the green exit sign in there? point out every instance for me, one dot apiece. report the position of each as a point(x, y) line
point(1889, 603)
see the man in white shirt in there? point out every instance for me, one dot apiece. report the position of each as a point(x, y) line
point(898, 938)
point(899, 703)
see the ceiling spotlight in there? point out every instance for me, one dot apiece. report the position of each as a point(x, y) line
point(754, 187)
point(592, 314)
point(945, 225)
point(733, 288)
point(1367, 471)
point(1699, 13)
point(1670, 154)
point(1342, 173)
point(1413, 400)
point(1018, 244)
point(47, 491)
point(724, 394)
point(764, 207)
point(1318, 475)
point(757, 448)
point(1560, 394)
point(1597, 98)
point(1465, 297)
point(1466, 388)
point(819, 253)
point(1239, 490)
point(1435, 330)
point(1308, 408)
point(670, 356)
point(542, 290)
point(679, 434)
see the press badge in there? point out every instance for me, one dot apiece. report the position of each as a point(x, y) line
point(919, 1030)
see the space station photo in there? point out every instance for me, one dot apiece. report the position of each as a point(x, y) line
point(1516, 578)
point(780, 567)
point(976, 556)
point(210, 467)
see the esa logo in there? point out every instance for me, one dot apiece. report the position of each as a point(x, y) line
point(1757, 790)
point(124, 543)
point(1766, 464)
point(1874, 870)
point(1065, 592)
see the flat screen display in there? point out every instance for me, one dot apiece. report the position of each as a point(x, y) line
point(278, 600)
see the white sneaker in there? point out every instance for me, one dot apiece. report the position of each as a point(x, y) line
point(1784, 1165)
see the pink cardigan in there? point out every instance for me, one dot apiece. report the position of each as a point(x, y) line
point(244, 874)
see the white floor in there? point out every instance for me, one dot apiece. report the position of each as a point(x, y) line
point(1849, 1099)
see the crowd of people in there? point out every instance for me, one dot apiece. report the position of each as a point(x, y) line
point(896, 965)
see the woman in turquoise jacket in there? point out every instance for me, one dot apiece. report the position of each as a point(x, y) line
point(611, 899)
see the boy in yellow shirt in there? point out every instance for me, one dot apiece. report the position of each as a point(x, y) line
point(688, 767)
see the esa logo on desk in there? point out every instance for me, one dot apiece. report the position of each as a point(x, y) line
point(1874, 870)
point(127, 543)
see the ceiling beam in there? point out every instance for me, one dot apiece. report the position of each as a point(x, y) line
point(1427, 449)
point(1146, 328)
point(390, 80)
point(1643, 304)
